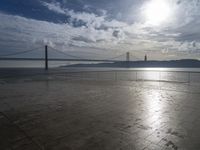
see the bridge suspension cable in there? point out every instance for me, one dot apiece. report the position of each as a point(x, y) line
point(64, 53)
point(61, 52)
point(134, 57)
point(112, 58)
point(22, 52)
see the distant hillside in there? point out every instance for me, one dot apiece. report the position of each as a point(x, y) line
point(185, 63)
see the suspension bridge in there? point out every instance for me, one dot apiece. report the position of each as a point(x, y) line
point(67, 57)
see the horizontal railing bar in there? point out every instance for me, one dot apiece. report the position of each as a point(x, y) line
point(172, 71)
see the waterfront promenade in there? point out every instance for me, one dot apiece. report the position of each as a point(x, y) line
point(54, 112)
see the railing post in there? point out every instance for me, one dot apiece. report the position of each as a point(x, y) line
point(159, 76)
point(136, 76)
point(189, 77)
point(46, 57)
point(115, 73)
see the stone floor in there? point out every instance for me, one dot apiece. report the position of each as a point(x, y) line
point(98, 115)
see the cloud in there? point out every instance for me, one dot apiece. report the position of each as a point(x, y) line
point(22, 32)
point(90, 32)
point(90, 19)
point(56, 7)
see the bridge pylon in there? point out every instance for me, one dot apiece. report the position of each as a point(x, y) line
point(127, 56)
point(46, 58)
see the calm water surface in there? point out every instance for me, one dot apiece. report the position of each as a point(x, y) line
point(53, 64)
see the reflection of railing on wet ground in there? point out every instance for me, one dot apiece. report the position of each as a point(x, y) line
point(187, 82)
point(115, 75)
point(165, 80)
point(138, 75)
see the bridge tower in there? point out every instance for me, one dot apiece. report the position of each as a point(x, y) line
point(127, 56)
point(46, 57)
point(145, 57)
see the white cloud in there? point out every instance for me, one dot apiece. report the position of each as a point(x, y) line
point(22, 31)
point(100, 33)
point(90, 18)
point(54, 7)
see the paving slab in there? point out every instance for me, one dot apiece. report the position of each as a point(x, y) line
point(98, 115)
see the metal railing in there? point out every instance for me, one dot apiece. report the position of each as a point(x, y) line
point(116, 75)
point(136, 75)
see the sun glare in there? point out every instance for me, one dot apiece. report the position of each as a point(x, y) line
point(156, 12)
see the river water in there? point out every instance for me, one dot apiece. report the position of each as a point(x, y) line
point(186, 75)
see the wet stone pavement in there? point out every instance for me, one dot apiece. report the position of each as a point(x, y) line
point(98, 115)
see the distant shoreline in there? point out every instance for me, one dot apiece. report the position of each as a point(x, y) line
point(185, 63)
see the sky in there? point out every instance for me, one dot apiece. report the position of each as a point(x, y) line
point(162, 29)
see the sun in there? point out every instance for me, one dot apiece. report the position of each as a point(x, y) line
point(156, 12)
